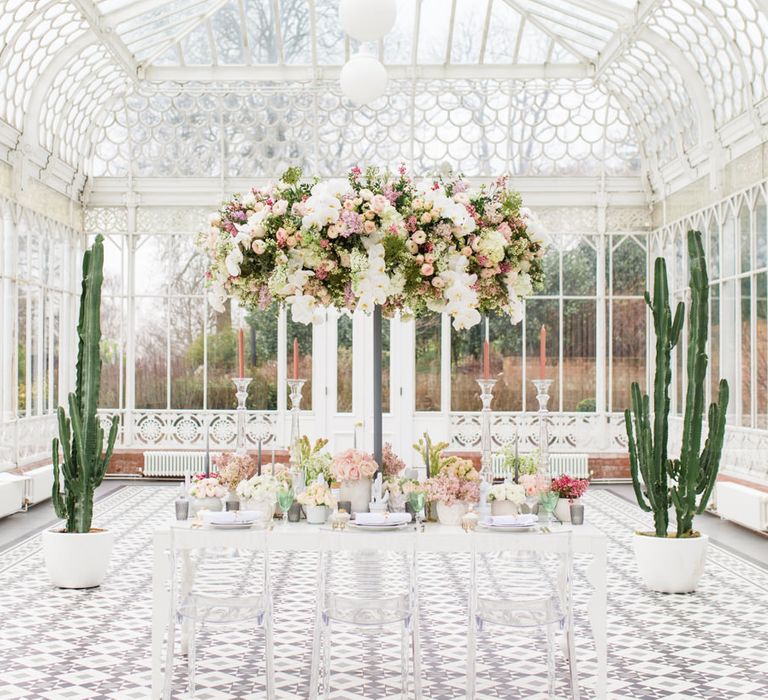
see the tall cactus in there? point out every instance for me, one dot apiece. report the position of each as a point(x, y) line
point(80, 435)
point(694, 473)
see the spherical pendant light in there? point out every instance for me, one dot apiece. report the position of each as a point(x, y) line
point(363, 79)
point(367, 20)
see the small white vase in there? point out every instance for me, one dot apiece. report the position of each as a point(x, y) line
point(358, 493)
point(563, 509)
point(77, 559)
point(265, 506)
point(198, 504)
point(669, 564)
point(451, 515)
point(504, 508)
point(316, 515)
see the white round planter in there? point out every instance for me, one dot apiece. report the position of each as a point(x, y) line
point(77, 559)
point(265, 506)
point(451, 515)
point(563, 510)
point(358, 493)
point(504, 508)
point(316, 515)
point(198, 504)
point(670, 565)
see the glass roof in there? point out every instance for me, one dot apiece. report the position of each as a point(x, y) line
point(536, 86)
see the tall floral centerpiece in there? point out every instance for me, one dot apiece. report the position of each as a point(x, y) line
point(354, 469)
point(455, 485)
point(376, 242)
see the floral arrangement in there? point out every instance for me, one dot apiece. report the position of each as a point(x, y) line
point(203, 486)
point(258, 488)
point(431, 453)
point(391, 464)
point(514, 493)
point(517, 464)
point(280, 470)
point(533, 484)
point(457, 480)
point(233, 468)
point(352, 465)
point(376, 239)
point(316, 495)
point(570, 487)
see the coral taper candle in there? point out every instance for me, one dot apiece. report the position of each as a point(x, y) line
point(542, 351)
point(486, 360)
point(295, 358)
point(241, 353)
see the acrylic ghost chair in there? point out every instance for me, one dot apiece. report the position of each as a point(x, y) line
point(515, 586)
point(220, 578)
point(366, 591)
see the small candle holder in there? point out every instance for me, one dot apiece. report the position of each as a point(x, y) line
point(295, 386)
point(542, 396)
point(486, 456)
point(241, 386)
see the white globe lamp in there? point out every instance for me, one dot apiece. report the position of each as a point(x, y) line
point(367, 20)
point(363, 79)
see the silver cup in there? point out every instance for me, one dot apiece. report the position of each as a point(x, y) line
point(182, 508)
point(577, 514)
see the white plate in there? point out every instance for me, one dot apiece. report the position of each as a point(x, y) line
point(506, 528)
point(379, 528)
point(234, 525)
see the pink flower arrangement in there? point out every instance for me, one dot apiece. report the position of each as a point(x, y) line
point(457, 480)
point(533, 484)
point(569, 487)
point(233, 468)
point(353, 465)
point(391, 464)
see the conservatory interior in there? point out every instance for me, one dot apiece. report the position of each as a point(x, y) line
point(384, 348)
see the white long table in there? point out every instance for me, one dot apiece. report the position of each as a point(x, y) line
point(300, 537)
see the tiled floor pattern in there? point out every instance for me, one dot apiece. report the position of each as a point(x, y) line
point(73, 645)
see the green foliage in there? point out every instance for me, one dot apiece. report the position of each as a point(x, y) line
point(431, 453)
point(80, 434)
point(677, 482)
point(586, 406)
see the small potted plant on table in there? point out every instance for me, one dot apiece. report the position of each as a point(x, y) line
point(570, 490)
point(318, 502)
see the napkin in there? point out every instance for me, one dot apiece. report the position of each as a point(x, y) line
point(382, 518)
point(231, 516)
point(524, 520)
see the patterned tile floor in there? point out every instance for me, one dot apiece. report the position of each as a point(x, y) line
point(73, 645)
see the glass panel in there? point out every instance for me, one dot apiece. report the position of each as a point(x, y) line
point(628, 268)
point(428, 362)
point(627, 338)
point(761, 234)
point(540, 312)
point(111, 349)
point(151, 355)
point(714, 249)
point(506, 357)
point(222, 360)
point(467, 367)
point(261, 359)
point(761, 319)
point(714, 339)
point(551, 267)
point(746, 352)
point(579, 267)
point(34, 347)
point(186, 331)
point(302, 333)
point(745, 240)
point(344, 364)
point(579, 373)
point(21, 351)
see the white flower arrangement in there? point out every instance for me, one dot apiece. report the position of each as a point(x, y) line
point(258, 488)
point(515, 493)
point(206, 487)
point(316, 495)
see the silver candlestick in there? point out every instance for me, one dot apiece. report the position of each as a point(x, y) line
point(295, 396)
point(241, 386)
point(542, 396)
point(486, 457)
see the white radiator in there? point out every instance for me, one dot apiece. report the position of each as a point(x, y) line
point(163, 463)
point(572, 464)
point(11, 493)
point(39, 483)
point(743, 505)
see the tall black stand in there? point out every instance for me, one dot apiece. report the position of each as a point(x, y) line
point(377, 380)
